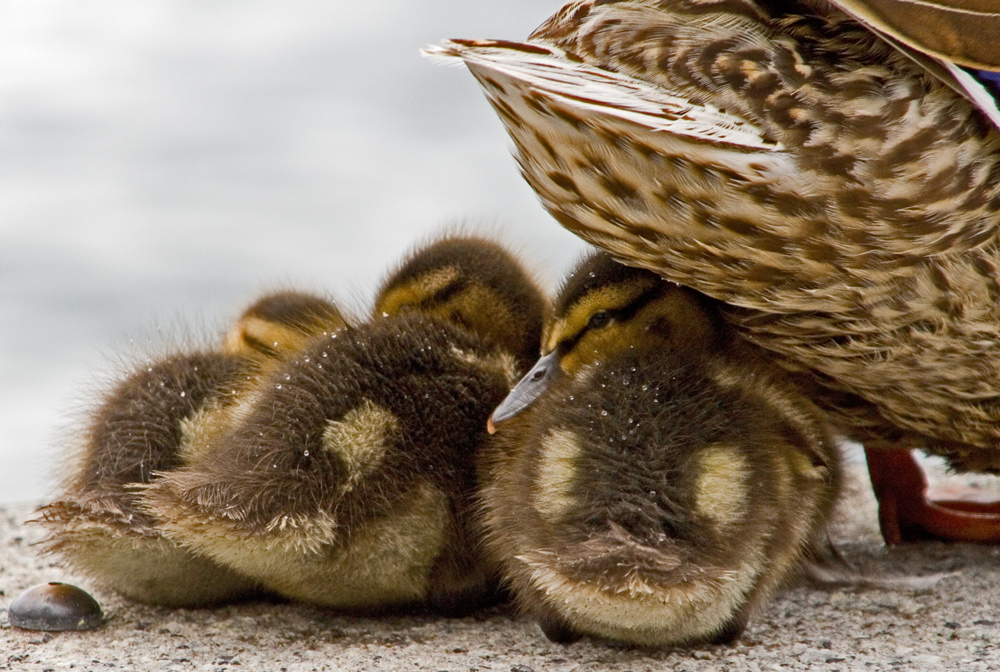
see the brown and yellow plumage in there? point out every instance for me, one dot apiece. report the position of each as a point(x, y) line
point(152, 421)
point(655, 479)
point(835, 183)
point(348, 479)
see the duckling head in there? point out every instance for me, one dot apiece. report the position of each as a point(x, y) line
point(280, 323)
point(605, 308)
point(475, 283)
point(661, 482)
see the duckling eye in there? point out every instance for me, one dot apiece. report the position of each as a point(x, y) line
point(598, 320)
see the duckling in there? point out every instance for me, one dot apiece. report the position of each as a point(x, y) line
point(281, 323)
point(349, 482)
point(828, 168)
point(654, 479)
point(143, 426)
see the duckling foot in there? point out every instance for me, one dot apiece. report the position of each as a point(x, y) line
point(909, 512)
point(732, 632)
point(558, 630)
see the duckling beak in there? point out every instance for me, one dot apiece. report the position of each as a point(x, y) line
point(526, 391)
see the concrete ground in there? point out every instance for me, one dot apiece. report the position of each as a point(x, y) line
point(953, 624)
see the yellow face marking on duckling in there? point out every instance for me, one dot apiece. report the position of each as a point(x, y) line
point(253, 336)
point(552, 495)
point(604, 322)
point(472, 305)
point(281, 323)
point(483, 312)
point(410, 295)
point(720, 484)
point(602, 299)
point(360, 439)
point(672, 315)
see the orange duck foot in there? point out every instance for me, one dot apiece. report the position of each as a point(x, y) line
point(908, 511)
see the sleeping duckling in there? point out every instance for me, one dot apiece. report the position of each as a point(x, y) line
point(655, 480)
point(281, 323)
point(144, 426)
point(350, 481)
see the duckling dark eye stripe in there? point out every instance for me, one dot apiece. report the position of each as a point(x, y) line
point(619, 314)
point(641, 301)
point(259, 345)
point(444, 294)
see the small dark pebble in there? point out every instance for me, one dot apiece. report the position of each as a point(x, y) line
point(55, 607)
point(522, 668)
point(981, 621)
point(953, 625)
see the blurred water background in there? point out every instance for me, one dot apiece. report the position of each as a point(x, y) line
point(163, 162)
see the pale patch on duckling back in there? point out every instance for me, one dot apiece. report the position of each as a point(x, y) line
point(720, 488)
point(557, 473)
point(200, 428)
point(360, 439)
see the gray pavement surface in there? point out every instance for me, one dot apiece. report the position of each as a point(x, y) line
point(903, 624)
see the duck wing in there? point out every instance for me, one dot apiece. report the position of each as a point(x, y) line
point(942, 37)
point(961, 31)
point(841, 195)
point(765, 168)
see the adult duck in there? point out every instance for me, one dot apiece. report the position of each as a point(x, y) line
point(829, 170)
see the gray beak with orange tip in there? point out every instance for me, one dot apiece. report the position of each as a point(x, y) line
point(529, 388)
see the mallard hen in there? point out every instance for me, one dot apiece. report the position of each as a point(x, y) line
point(654, 478)
point(824, 168)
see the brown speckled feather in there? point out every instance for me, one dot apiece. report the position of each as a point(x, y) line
point(840, 196)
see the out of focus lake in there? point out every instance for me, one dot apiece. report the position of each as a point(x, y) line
point(161, 163)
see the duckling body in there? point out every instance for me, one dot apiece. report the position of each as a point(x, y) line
point(830, 176)
point(654, 479)
point(146, 425)
point(349, 481)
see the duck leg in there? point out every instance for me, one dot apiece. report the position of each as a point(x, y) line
point(911, 511)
